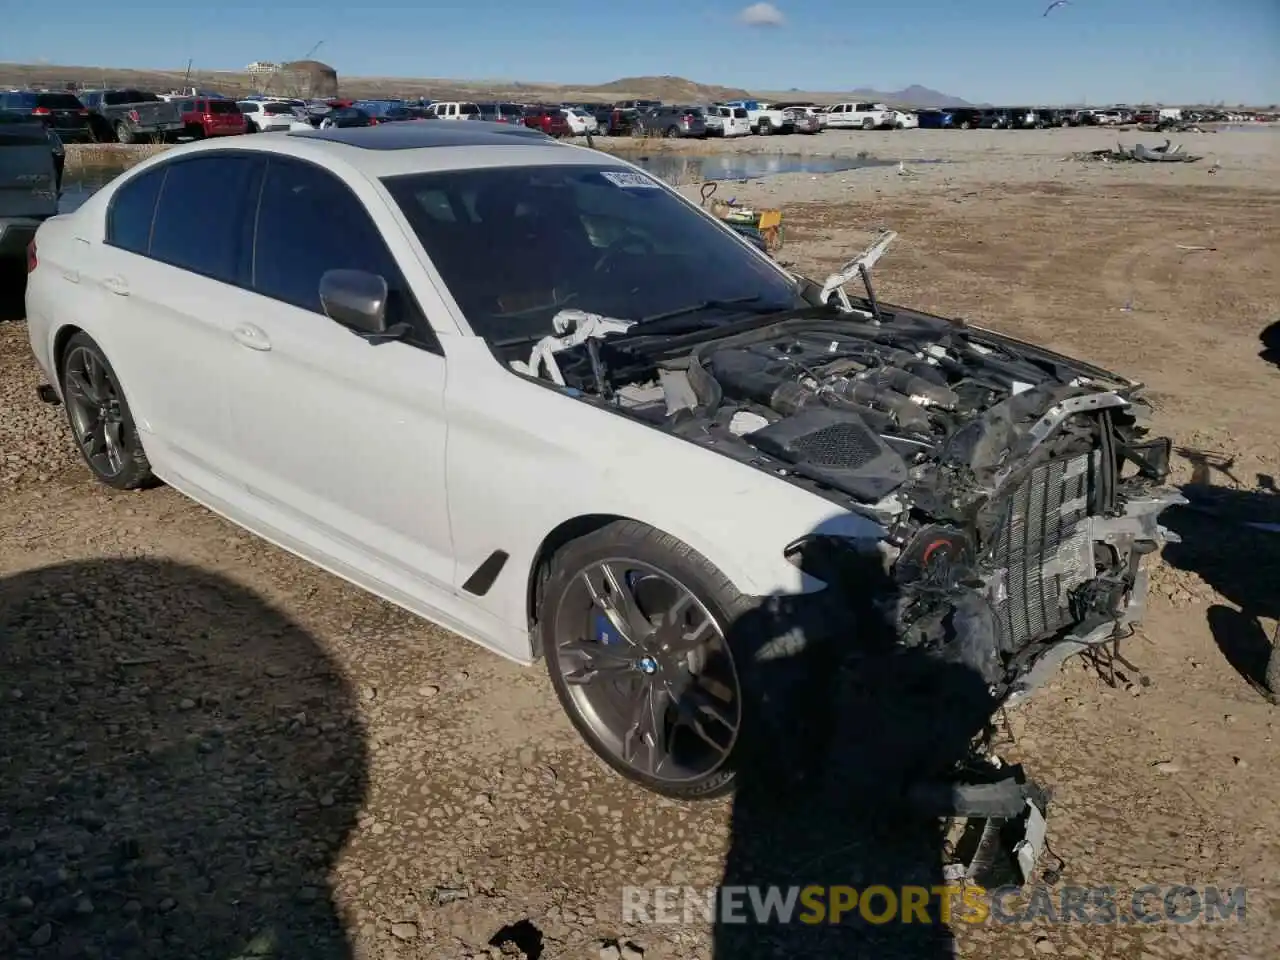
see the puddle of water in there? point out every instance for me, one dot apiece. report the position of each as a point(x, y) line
point(77, 188)
point(677, 169)
point(673, 168)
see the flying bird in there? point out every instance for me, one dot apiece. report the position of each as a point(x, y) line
point(1054, 6)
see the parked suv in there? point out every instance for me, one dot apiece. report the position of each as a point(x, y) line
point(263, 116)
point(61, 112)
point(964, 118)
point(502, 112)
point(211, 117)
point(550, 120)
point(670, 122)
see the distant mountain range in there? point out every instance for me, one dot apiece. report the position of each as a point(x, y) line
point(667, 88)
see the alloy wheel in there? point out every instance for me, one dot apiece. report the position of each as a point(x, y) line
point(96, 413)
point(648, 669)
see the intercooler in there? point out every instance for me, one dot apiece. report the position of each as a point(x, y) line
point(1043, 547)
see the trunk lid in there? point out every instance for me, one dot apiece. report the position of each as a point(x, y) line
point(28, 179)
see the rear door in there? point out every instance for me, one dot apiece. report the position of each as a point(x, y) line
point(28, 182)
point(170, 275)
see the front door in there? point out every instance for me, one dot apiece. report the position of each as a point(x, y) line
point(341, 441)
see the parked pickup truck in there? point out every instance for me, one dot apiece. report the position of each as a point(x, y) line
point(31, 163)
point(132, 115)
point(764, 119)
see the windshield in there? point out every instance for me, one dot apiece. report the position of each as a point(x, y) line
point(515, 245)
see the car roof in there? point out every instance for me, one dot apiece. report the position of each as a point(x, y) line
point(410, 147)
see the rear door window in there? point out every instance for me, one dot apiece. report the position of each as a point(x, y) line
point(204, 220)
point(222, 106)
point(132, 210)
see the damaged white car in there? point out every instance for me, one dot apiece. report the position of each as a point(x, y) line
point(527, 391)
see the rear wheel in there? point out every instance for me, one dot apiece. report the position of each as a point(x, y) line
point(100, 419)
point(124, 132)
point(766, 128)
point(868, 124)
point(965, 125)
point(671, 132)
point(638, 634)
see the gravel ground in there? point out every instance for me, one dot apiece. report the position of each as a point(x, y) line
point(211, 749)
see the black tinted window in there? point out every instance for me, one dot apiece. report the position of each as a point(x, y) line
point(515, 245)
point(58, 101)
point(203, 222)
point(309, 222)
point(132, 210)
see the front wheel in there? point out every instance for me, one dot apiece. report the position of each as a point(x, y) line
point(100, 419)
point(652, 654)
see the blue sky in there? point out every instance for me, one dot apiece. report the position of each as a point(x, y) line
point(999, 51)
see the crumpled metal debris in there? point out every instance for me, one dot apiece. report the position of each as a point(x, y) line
point(1140, 153)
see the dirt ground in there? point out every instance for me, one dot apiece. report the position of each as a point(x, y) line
point(211, 749)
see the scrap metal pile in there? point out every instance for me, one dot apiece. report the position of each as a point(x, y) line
point(1140, 153)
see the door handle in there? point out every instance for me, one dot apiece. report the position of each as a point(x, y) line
point(117, 285)
point(247, 335)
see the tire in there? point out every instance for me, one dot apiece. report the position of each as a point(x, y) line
point(766, 127)
point(124, 132)
point(671, 133)
point(868, 124)
point(578, 640)
point(131, 469)
point(965, 125)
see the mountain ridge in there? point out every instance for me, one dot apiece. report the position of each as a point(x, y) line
point(671, 89)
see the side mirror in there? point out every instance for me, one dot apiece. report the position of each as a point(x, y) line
point(355, 299)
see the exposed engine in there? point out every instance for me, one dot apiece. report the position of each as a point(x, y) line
point(1016, 486)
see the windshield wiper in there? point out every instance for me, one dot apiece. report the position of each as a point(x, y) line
point(724, 304)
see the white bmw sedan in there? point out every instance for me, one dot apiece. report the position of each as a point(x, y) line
point(526, 391)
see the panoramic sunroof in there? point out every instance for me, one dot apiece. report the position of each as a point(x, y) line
point(416, 134)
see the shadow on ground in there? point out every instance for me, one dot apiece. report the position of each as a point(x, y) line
point(13, 288)
point(1221, 545)
point(823, 799)
point(180, 766)
point(1270, 338)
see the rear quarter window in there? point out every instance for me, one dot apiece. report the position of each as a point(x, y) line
point(132, 211)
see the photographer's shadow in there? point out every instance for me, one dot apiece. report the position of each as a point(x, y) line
point(1231, 540)
point(181, 764)
point(823, 799)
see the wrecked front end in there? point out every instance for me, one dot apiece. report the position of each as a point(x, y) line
point(1018, 490)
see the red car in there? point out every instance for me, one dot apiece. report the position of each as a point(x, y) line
point(209, 117)
point(549, 120)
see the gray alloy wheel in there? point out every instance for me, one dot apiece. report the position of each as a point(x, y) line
point(124, 132)
point(637, 651)
point(100, 419)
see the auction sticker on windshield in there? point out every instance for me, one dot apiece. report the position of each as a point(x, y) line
point(625, 178)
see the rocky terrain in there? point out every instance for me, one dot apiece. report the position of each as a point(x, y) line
point(211, 749)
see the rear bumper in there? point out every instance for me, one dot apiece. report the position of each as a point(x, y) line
point(16, 234)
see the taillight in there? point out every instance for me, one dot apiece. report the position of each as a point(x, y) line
point(40, 112)
point(84, 113)
point(133, 115)
point(373, 121)
point(32, 262)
